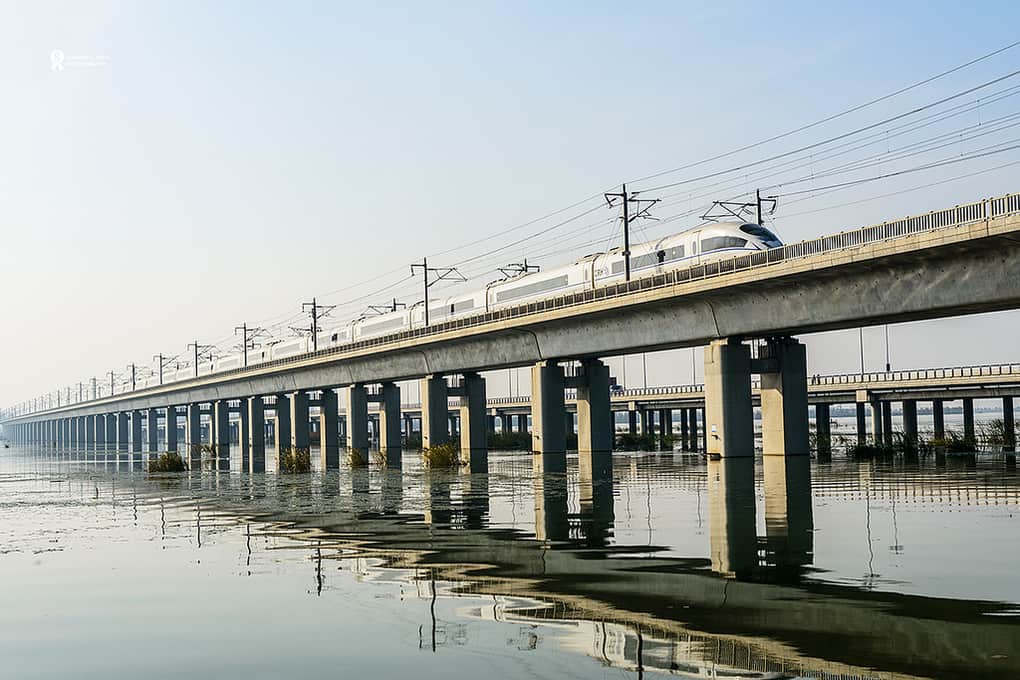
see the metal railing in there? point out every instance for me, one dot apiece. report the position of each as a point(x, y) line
point(940, 219)
point(976, 371)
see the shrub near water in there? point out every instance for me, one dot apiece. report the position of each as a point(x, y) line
point(441, 456)
point(295, 460)
point(357, 458)
point(167, 462)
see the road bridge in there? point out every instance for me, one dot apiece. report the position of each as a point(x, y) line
point(961, 260)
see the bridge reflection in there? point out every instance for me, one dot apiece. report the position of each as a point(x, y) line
point(749, 603)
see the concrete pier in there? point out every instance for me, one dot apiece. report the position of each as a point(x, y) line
point(1008, 425)
point(434, 411)
point(784, 403)
point(876, 419)
point(595, 430)
point(547, 408)
point(123, 429)
point(910, 422)
point(389, 423)
point(887, 429)
point(823, 431)
point(171, 429)
point(474, 427)
point(193, 435)
point(938, 415)
point(221, 434)
point(152, 430)
point(357, 419)
point(282, 426)
point(136, 431)
point(244, 437)
point(329, 435)
point(969, 433)
point(256, 434)
point(99, 433)
point(729, 427)
point(299, 419)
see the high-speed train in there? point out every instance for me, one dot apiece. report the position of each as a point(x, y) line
point(708, 243)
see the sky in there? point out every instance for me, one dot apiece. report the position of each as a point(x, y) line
point(191, 166)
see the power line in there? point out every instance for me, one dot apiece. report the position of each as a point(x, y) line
point(832, 117)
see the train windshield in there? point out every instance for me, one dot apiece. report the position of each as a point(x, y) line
point(762, 233)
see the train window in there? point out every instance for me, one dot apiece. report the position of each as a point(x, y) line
point(333, 337)
point(721, 242)
point(758, 230)
point(462, 306)
point(661, 255)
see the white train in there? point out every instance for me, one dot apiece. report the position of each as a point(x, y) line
point(709, 243)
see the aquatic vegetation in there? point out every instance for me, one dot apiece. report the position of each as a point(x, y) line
point(167, 462)
point(413, 441)
point(295, 460)
point(357, 458)
point(625, 441)
point(445, 455)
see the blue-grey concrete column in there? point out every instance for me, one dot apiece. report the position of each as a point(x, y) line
point(434, 411)
point(256, 434)
point(244, 436)
point(823, 430)
point(632, 418)
point(695, 439)
point(81, 428)
point(389, 424)
point(665, 422)
point(968, 420)
point(474, 440)
point(171, 429)
point(646, 422)
point(862, 423)
point(595, 427)
point(357, 419)
point(729, 425)
point(193, 435)
point(122, 431)
point(685, 434)
point(1008, 425)
point(152, 429)
point(283, 427)
point(221, 434)
point(299, 419)
point(99, 426)
point(547, 407)
point(90, 433)
point(876, 420)
point(910, 421)
point(504, 423)
point(329, 434)
point(111, 431)
point(938, 415)
point(136, 431)
point(784, 401)
point(887, 432)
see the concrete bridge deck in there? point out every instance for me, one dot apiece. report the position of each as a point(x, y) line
point(961, 260)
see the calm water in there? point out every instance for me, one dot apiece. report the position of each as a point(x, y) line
point(664, 566)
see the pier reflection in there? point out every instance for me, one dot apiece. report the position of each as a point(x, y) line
point(607, 557)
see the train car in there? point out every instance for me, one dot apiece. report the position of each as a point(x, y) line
point(549, 283)
point(340, 335)
point(379, 324)
point(281, 350)
point(707, 244)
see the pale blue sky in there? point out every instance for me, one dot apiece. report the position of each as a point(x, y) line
point(230, 160)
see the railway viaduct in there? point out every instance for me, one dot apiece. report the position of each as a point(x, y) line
point(961, 260)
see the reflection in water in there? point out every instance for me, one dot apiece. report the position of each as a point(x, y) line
point(774, 589)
